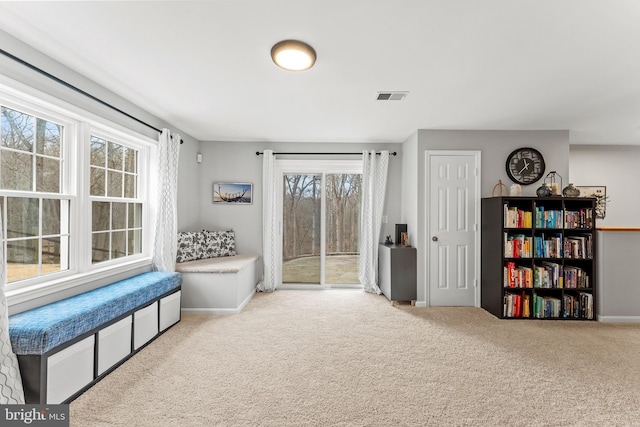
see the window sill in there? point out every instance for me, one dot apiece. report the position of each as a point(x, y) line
point(70, 285)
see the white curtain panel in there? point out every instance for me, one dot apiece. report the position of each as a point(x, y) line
point(374, 185)
point(11, 391)
point(166, 234)
point(269, 223)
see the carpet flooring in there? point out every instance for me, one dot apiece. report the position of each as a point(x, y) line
point(348, 358)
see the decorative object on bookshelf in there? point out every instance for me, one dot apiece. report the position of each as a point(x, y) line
point(550, 181)
point(543, 191)
point(525, 166)
point(499, 186)
point(570, 191)
point(600, 194)
point(539, 257)
point(515, 190)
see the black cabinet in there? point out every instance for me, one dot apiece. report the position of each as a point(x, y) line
point(397, 276)
point(539, 257)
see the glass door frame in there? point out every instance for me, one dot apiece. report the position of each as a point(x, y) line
point(310, 167)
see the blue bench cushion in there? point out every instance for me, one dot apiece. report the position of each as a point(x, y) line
point(39, 330)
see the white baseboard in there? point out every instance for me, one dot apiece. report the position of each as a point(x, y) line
point(219, 310)
point(246, 300)
point(619, 319)
point(421, 303)
point(209, 310)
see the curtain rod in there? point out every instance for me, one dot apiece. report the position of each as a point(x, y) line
point(321, 154)
point(77, 89)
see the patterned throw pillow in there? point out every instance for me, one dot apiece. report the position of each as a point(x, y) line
point(219, 243)
point(191, 246)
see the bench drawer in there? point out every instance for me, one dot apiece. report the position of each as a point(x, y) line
point(169, 310)
point(145, 325)
point(70, 370)
point(114, 344)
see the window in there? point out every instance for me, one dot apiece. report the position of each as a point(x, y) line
point(73, 193)
point(35, 211)
point(116, 213)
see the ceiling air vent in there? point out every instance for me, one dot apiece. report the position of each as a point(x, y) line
point(391, 96)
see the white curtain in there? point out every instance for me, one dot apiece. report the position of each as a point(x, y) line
point(166, 234)
point(11, 391)
point(374, 184)
point(269, 223)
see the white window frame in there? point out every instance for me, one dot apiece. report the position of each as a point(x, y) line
point(79, 124)
point(143, 169)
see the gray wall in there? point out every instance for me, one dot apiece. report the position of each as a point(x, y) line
point(410, 176)
point(616, 167)
point(237, 162)
point(618, 272)
point(495, 146)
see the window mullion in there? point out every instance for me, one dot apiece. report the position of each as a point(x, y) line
point(40, 230)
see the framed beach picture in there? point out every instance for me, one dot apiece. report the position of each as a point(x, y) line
point(235, 193)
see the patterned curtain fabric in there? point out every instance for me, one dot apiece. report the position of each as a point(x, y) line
point(374, 185)
point(11, 391)
point(166, 233)
point(269, 223)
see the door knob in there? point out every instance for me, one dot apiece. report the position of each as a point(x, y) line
point(434, 238)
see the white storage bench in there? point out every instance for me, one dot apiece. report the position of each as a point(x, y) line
point(222, 285)
point(65, 347)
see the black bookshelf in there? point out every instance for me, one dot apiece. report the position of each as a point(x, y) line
point(539, 257)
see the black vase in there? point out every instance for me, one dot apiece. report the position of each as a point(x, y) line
point(570, 191)
point(543, 191)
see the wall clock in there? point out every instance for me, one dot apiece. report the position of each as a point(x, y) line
point(525, 165)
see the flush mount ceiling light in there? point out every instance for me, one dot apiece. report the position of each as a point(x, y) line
point(293, 55)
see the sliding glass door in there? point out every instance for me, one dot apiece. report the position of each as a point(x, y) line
point(342, 219)
point(321, 224)
point(301, 231)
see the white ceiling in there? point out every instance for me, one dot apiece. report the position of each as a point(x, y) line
point(467, 64)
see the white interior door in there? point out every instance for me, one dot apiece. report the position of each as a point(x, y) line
point(453, 227)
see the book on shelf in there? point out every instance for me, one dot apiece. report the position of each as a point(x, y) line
point(549, 218)
point(578, 247)
point(580, 219)
point(517, 276)
point(517, 246)
point(586, 305)
point(526, 310)
point(516, 218)
point(516, 305)
point(548, 275)
point(575, 277)
point(546, 306)
point(548, 246)
point(578, 306)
